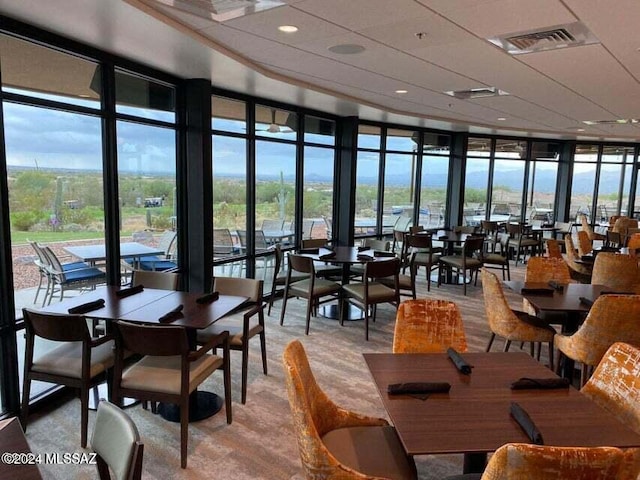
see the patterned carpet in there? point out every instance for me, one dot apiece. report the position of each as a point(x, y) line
point(260, 443)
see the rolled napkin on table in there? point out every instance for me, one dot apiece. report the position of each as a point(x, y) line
point(328, 256)
point(520, 415)
point(87, 307)
point(364, 257)
point(556, 286)
point(379, 253)
point(418, 387)
point(311, 251)
point(460, 363)
point(171, 315)
point(611, 292)
point(126, 292)
point(586, 301)
point(208, 298)
point(536, 291)
point(363, 248)
point(525, 383)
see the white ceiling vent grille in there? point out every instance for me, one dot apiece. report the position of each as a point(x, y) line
point(219, 10)
point(474, 93)
point(551, 38)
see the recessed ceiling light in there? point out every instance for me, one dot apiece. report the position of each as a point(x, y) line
point(347, 49)
point(288, 28)
point(401, 91)
point(502, 119)
point(581, 129)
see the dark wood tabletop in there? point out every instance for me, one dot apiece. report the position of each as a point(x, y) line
point(474, 416)
point(12, 440)
point(566, 301)
point(345, 255)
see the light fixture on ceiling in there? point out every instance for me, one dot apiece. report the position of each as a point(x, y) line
point(346, 49)
point(401, 91)
point(288, 28)
point(618, 121)
point(220, 10)
point(502, 119)
point(580, 130)
point(474, 93)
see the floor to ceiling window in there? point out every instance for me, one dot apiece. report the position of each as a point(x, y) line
point(614, 181)
point(400, 166)
point(476, 181)
point(584, 181)
point(434, 179)
point(367, 178)
point(508, 179)
point(543, 176)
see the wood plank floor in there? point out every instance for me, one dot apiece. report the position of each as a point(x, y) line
point(260, 443)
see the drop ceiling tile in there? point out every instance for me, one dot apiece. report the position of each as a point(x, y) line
point(185, 18)
point(265, 24)
point(488, 19)
point(592, 72)
point(238, 40)
point(360, 14)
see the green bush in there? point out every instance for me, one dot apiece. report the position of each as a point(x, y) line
point(23, 221)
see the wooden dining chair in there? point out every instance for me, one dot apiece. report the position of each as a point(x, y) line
point(322, 269)
point(334, 442)
point(279, 277)
point(512, 325)
point(542, 462)
point(521, 241)
point(498, 259)
point(116, 442)
point(422, 253)
point(155, 279)
point(169, 370)
point(371, 292)
point(78, 361)
point(240, 332)
point(616, 271)
point(612, 318)
point(428, 326)
point(313, 289)
point(469, 260)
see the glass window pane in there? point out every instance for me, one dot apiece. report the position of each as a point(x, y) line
point(436, 144)
point(367, 170)
point(586, 153)
point(368, 137)
point(318, 191)
point(475, 190)
point(478, 147)
point(399, 184)
point(275, 123)
point(402, 140)
point(510, 148)
point(545, 151)
point(228, 115)
point(610, 184)
point(55, 198)
point(433, 193)
point(144, 98)
point(542, 190)
point(319, 130)
point(617, 154)
point(147, 188)
point(229, 199)
point(583, 182)
point(506, 199)
point(41, 72)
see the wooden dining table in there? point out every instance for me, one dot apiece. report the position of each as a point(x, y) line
point(12, 440)
point(147, 307)
point(473, 418)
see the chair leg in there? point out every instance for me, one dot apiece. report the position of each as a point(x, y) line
point(263, 348)
point(366, 322)
point(550, 355)
point(584, 374)
point(24, 408)
point(507, 344)
point(309, 307)
point(531, 349)
point(464, 281)
point(184, 431)
point(284, 306)
point(245, 361)
point(491, 339)
point(84, 415)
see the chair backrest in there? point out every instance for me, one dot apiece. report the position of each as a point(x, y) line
point(572, 258)
point(514, 229)
point(380, 245)
point(415, 229)
point(270, 224)
point(307, 228)
point(611, 319)
point(42, 257)
point(54, 263)
point(472, 245)
point(314, 415)
point(468, 229)
point(242, 236)
point(260, 240)
point(402, 224)
point(622, 224)
point(428, 326)
point(545, 269)
point(422, 241)
point(222, 242)
point(614, 239)
point(155, 340)
point(585, 245)
point(56, 327)
point(383, 268)
point(552, 247)
point(616, 271)
point(300, 263)
point(489, 227)
point(500, 317)
point(314, 242)
point(633, 244)
point(563, 227)
point(243, 287)
point(523, 460)
point(615, 384)
point(116, 441)
point(151, 279)
point(167, 242)
point(584, 221)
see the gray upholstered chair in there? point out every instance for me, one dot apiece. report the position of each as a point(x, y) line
point(240, 333)
point(159, 280)
point(116, 441)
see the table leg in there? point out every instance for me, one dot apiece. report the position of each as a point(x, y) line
point(474, 462)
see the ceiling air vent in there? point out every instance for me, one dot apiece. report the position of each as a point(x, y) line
point(476, 93)
point(219, 10)
point(620, 121)
point(550, 38)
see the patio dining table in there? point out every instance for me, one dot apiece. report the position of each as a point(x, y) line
point(96, 253)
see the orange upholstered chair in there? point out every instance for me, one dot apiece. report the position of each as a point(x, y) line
point(579, 271)
point(585, 244)
point(335, 443)
point(428, 326)
point(513, 326)
point(543, 270)
point(587, 228)
point(619, 272)
point(633, 244)
point(612, 318)
point(552, 247)
point(520, 461)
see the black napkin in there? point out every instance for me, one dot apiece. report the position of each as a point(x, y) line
point(328, 256)
point(208, 298)
point(586, 301)
point(612, 292)
point(459, 362)
point(536, 291)
point(587, 258)
point(126, 292)
point(87, 307)
point(364, 257)
point(311, 251)
point(418, 387)
point(363, 248)
point(556, 286)
point(171, 315)
point(383, 254)
point(525, 383)
point(520, 415)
